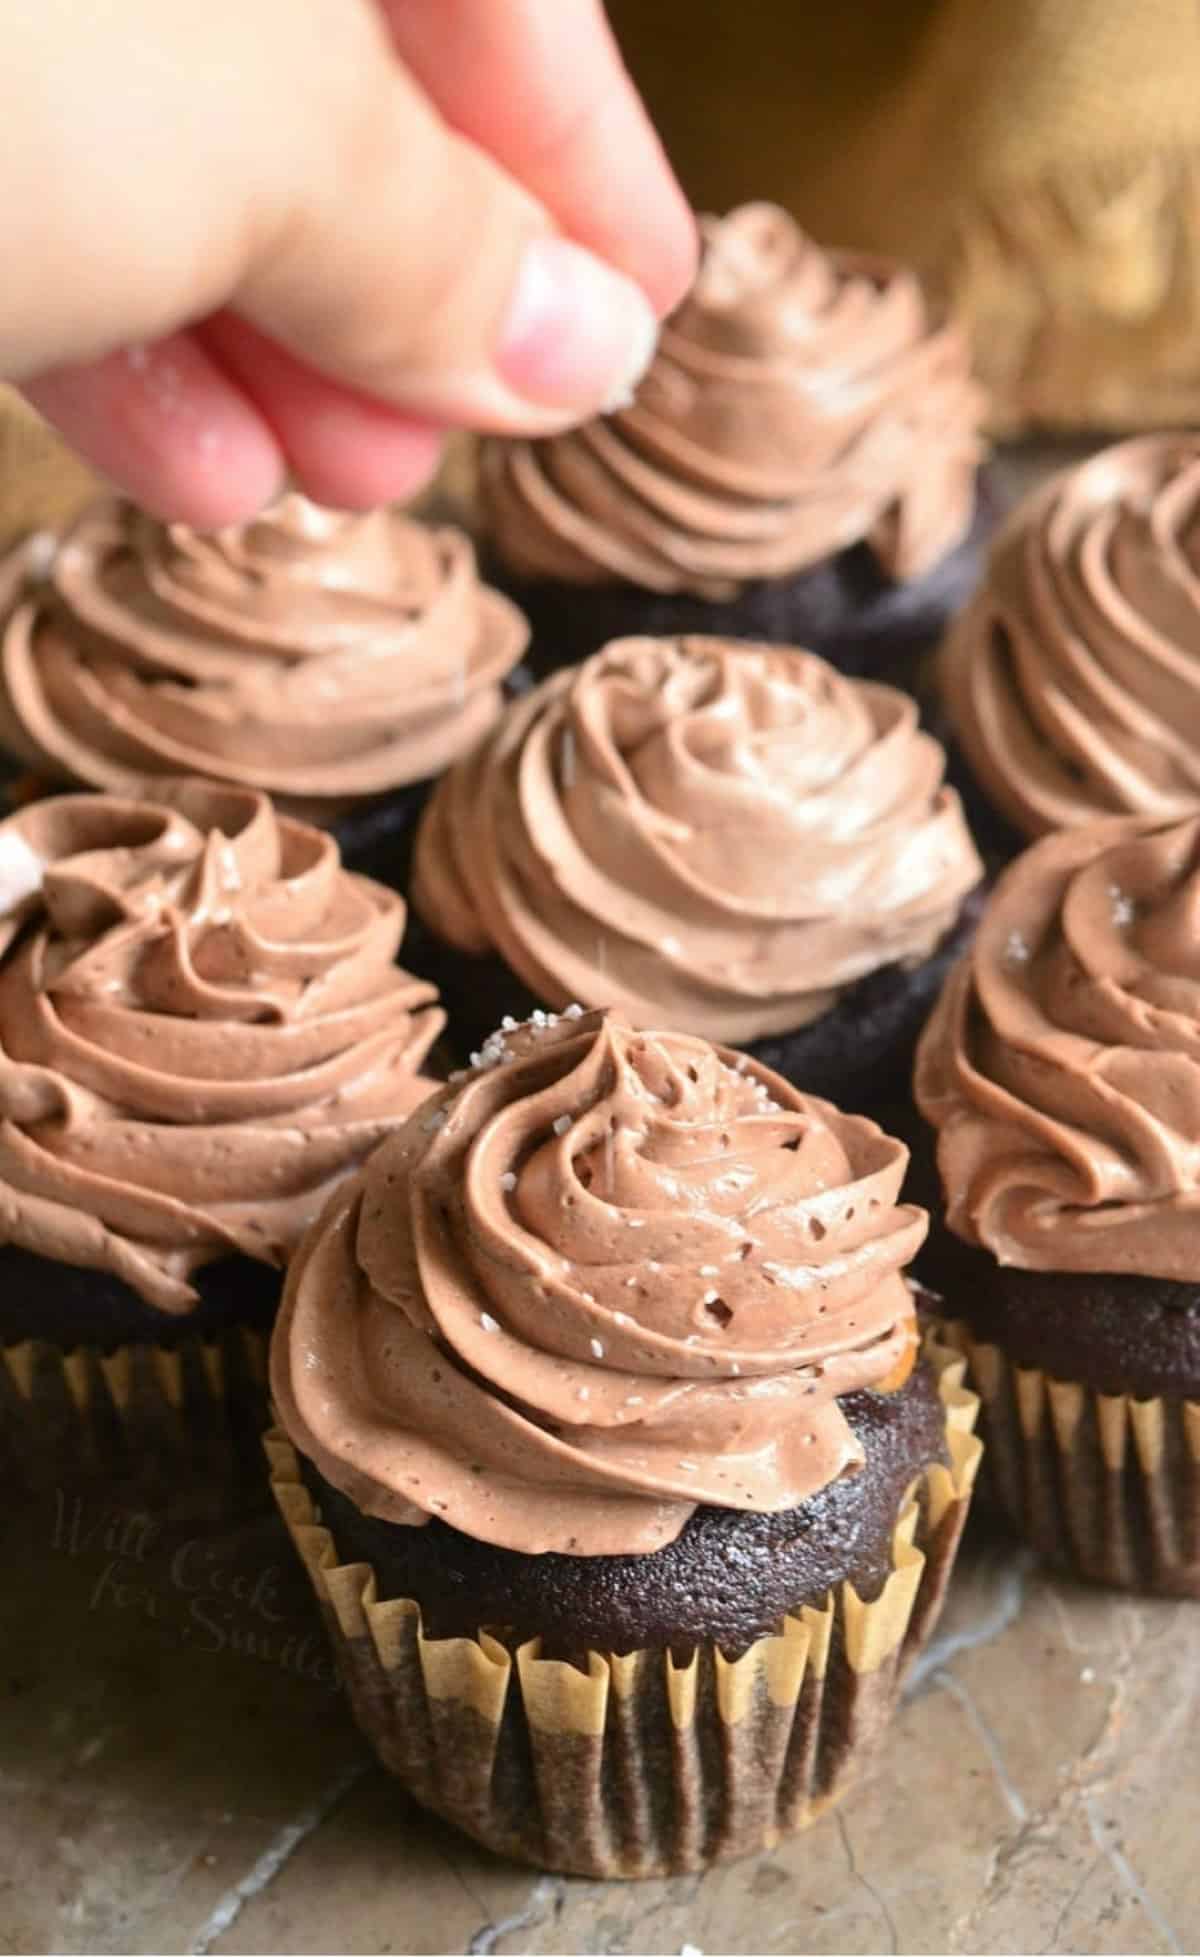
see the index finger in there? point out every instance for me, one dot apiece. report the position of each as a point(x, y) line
point(541, 86)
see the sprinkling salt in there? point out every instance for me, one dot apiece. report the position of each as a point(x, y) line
point(508, 1181)
point(489, 1323)
point(21, 871)
point(1123, 911)
point(562, 1123)
point(41, 549)
point(597, 1348)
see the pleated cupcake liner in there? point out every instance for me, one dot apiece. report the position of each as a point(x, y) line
point(1103, 1485)
point(187, 1419)
point(652, 1762)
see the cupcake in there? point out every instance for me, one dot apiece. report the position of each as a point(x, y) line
point(202, 1029)
point(1070, 680)
point(609, 1453)
point(799, 465)
point(338, 662)
point(1061, 1074)
point(731, 839)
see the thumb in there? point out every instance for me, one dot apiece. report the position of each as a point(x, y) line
point(412, 268)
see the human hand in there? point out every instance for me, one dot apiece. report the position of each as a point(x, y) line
point(252, 238)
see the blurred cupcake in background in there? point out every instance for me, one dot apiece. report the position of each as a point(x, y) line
point(1072, 680)
point(337, 662)
point(1060, 1073)
point(734, 840)
point(202, 1028)
point(799, 465)
point(610, 1453)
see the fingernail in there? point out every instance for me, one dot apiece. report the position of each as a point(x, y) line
point(577, 335)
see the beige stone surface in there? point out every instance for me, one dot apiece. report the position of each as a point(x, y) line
point(178, 1773)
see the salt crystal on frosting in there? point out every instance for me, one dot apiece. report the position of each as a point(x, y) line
point(21, 870)
point(489, 1323)
point(562, 1124)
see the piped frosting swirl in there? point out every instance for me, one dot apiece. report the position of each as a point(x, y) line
point(713, 835)
point(608, 1278)
point(202, 1028)
point(1061, 1067)
point(1073, 677)
point(320, 656)
point(800, 402)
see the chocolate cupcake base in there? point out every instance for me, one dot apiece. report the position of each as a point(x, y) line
point(858, 1054)
point(846, 609)
point(1090, 1395)
point(655, 1760)
point(96, 1384)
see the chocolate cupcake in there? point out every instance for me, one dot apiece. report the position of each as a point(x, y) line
point(799, 466)
point(730, 839)
point(1070, 681)
point(202, 1028)
point(608, 1451)
point(337, 662)
point(1061, 1072)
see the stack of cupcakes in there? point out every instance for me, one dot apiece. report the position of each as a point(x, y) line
point(607, 1436)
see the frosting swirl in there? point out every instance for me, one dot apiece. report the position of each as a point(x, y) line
point(1061, 1067)
point(707, 833)
point(800, 401)
point(585, 1291)
point(319, 656)
point(1072, 676)
point(201, 1029)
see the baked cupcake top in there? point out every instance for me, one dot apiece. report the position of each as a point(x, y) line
point(800, 402)
point(1073, 677)
point(319, 656)
point(708, 834)
point(605, 1277)
point(1061, 1067)
point(202, 1028)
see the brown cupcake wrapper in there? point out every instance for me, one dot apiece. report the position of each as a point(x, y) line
point(643, 1764)
point(1104, 1485)
point(188, 1414)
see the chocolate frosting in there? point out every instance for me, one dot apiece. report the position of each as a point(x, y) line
point(718, 836)
point(320, 656)
point(201, 1029)
point(800, 401)
point(1073, 677)
point(606, 1277)
point(1061, 1067)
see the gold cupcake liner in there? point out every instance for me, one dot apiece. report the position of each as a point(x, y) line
point(1102, 1484)
point(648, 1763)
point(188, 1415)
